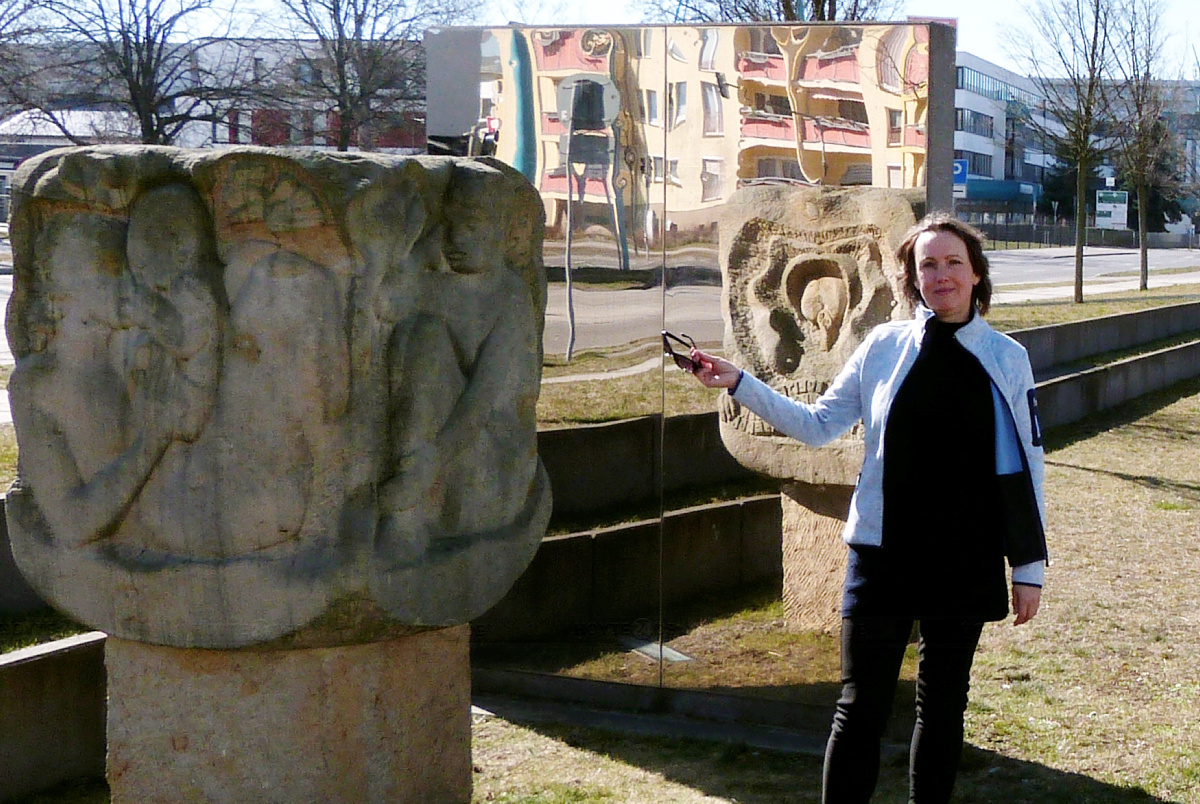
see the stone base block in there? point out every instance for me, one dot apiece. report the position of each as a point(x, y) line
point(379, 722)
point(814, 555)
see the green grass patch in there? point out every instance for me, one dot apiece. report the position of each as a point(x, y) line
point(26, 630)
point(1025, 315)
point(556, 794)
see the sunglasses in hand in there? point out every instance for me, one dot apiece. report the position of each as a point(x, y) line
point(684, 361)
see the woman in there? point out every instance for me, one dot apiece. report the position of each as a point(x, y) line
point(951, 485)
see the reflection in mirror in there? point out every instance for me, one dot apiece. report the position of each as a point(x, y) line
point(563, 106)
point(638, 140)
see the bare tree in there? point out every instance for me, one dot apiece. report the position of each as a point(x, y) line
point(130, 56)
point(768, 10)
point(1142, 102)
point(1069, 58)
point(18, 26)
point(359, 61)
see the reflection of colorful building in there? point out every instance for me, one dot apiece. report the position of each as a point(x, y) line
point(637, 133)
point(833, 104)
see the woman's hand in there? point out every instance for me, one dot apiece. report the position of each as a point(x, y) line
point(1026, 600)
point(715, 372)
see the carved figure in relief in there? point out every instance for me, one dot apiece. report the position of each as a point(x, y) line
point(73, 388)
point(255, 389)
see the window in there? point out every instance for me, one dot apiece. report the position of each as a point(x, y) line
point(895, 126)
point(647, 41)
point(307, 74)
point(977, 164)
point(673, 172)
point(708, 48)
point(779, 167)
point(652, 108)
point(670, 173)
point(761, 41)
point(710, 179)
point(772, 104)
point(676, 52)
point(711, 100)
point(973, 122)
point(895, 176)
point(678, 103)
point(853, 110)
point(891, 53)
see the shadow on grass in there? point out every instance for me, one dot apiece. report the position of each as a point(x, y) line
point(752, 776)
point(1188, 491)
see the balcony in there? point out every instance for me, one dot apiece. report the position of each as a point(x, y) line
point(762, 66)
point(594, 184)
point(552, 126)
point(840, 66)
point(584, 50)
point(837, 132)
point(760, 125)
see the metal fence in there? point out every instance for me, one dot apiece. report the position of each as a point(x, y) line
point(1033, 235)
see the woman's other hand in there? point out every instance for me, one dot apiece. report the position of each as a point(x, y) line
point(1026, 600)
point(715, 372)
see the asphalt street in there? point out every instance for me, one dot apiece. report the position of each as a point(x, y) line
point(611, 318)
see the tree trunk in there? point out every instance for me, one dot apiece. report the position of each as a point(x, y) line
point(1080, 227)
point(1143, 199)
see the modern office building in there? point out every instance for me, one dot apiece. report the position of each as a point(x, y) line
point(998, 117)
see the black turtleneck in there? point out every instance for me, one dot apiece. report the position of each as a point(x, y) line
point(942, 550)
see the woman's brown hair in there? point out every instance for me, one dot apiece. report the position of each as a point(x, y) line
point(981, 295)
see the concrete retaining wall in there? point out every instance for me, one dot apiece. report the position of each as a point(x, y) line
point(52, 715)
point(16, 596)
point(598, 467)
point(1073, 397)
point(607, 580)
point(1062, 344)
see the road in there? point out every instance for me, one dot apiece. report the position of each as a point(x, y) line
point(610, 318)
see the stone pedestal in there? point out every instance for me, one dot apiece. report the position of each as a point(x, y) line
point(807, 273)
point(814, 555)
point(378, 722)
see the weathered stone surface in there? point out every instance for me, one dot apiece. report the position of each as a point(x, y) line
point(814, 557)
point(265, 395)
point(807, 273)
point(383, 722)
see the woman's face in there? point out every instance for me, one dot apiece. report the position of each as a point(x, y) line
point(944, 275)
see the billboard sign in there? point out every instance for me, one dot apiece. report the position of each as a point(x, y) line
point(1112, 209)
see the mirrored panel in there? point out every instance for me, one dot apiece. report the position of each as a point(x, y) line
point(800, 108)
point(664, 562)
point(560, 106)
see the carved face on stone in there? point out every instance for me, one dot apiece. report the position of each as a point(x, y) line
point(802, 299)
point(808, 272)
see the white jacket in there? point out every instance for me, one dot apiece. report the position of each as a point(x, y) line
point(865, 389)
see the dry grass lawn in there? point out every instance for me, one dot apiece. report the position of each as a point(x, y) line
point(1098, 700)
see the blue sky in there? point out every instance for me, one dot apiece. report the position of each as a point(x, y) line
point(980, 24)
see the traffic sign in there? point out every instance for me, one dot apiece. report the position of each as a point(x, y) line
point(960, 171)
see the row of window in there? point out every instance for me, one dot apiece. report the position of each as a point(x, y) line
point(989, 86)
point(974, 122)
point(977, 164)
point(677, 106)
point(660, 170)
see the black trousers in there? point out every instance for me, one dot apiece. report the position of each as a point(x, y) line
point(872, 651)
